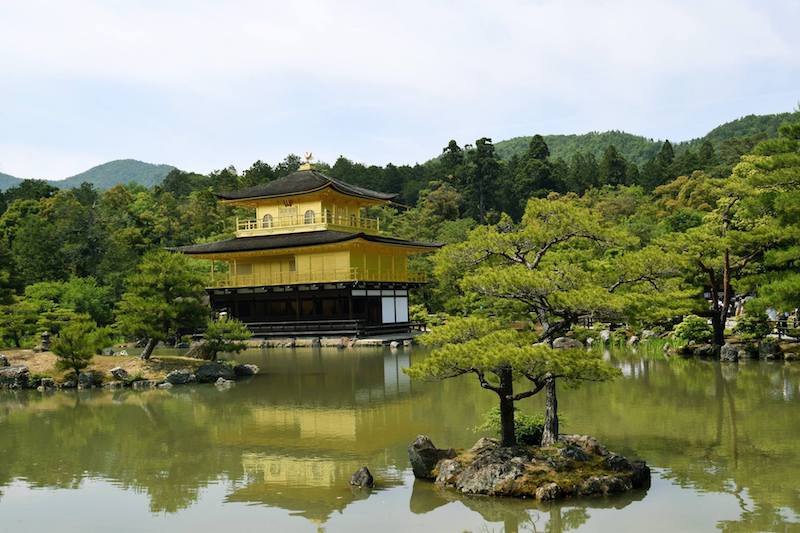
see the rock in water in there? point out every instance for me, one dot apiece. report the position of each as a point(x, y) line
point(729, 353)
point(362, 478)
point(703, 350)
point(211, 372)
point(223, 383)
point(4, 361)
point(119, 373)
point(424, 456)
point(769, 349)
point(89, 379)
point(565, 343)
point(581, 467)
point(14, 377)
point(181, 376)
point(245, 370)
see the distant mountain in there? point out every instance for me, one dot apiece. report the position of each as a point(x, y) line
point(118, 172)
point(640, 149)
point(107, 175)
point(6, 181)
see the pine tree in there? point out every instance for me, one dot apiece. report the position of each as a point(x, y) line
point(163, 298)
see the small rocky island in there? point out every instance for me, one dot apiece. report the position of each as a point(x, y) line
point(578, 465)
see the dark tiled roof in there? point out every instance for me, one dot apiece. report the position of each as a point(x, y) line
point(300, 182)
point(291, 240)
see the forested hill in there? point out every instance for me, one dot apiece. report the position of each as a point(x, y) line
point(638, 149)
point(118, 172)
point(634, 148)
point(105, 176)
point(6, 181)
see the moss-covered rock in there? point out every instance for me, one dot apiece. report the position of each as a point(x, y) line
point(577, 466)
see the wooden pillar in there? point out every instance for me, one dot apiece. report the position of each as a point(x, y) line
point(350, 304)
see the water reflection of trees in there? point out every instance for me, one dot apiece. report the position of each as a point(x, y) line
point(520, 515)
point(333, 413)
point(719, 428)
point(291, 437)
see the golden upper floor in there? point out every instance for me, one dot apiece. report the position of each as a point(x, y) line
point(306, 200)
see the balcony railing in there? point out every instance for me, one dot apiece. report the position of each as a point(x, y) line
point(309, 220)
point(320, 276)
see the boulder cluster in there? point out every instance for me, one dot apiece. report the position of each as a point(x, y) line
point(767, 350)
point(222, 375)
point(577, 466)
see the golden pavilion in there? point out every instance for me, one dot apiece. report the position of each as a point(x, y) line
point(311, 262)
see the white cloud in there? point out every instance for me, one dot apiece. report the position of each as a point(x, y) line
point(394, 80)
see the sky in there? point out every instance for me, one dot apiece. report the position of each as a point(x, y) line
point(203, 84)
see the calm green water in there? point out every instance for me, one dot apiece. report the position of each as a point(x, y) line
point(275, 453)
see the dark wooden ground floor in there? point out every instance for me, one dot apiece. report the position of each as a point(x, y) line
point(325, 309)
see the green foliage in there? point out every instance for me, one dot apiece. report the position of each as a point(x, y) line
point(528, 428)
point(693, 329)
point(162, 298)
point(225, 335)
point(18, 322)
point(76, 345)
point(80, 295)
point(418, 313)
point(752, 327)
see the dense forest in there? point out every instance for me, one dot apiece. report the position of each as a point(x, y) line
point(68, 252)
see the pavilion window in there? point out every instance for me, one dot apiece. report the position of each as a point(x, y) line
point(309, 217)
point(266, 222)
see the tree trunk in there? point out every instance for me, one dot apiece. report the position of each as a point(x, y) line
point(507, 430)
point(718, 325)
point(550, 433)
point(148, 349)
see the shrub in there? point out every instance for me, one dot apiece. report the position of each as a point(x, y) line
point(528, 428)
point(693, 329)
point(583, 334)
point(418, 313)
point(76, 344)
point(224, 335)
point(752, 327)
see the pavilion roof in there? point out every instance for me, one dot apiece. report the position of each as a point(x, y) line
point(293, 240)
point(303, 181)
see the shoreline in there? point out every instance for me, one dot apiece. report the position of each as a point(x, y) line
point(23, 369)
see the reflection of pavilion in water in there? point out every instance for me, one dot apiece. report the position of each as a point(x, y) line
point(324, 415)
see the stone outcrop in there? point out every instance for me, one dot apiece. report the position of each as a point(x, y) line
point(144, 384)
point(362, 478)
point(223, 383)
point(181, 376)
point(14, 377)
point(769, 349)
point(90, 379)
point(119, 373)
point(243, 371)
point(211, 372)
point(564, 343)
point(424, 457)
point(633, 340)
point(578, 466)
point(729, 353)
point(46, 384)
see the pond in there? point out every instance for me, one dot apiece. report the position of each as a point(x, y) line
point(276, 452)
